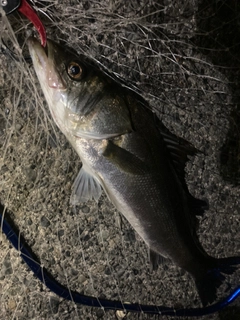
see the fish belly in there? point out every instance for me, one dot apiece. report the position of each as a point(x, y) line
point(148, 196)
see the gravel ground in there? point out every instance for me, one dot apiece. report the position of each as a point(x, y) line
point(182, 57)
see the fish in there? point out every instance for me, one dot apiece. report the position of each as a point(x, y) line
point(126, 151)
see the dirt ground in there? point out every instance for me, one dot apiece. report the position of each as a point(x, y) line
point(183, 58)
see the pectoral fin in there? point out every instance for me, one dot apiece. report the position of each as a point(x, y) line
point(123, 159)
point(85, 188)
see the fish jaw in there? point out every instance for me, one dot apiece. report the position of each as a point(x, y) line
point(44, 64)
point(52, 84)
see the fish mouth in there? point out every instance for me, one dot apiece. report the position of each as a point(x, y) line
point(43, 61)
point(37, 52)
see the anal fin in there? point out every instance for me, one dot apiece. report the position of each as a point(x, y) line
point(155, 259)
point(85, 187)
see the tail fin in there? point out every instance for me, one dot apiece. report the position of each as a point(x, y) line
point(208, 282)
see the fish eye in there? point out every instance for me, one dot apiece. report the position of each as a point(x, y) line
point(74, 70)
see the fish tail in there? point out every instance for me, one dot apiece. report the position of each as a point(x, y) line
point(211, 278)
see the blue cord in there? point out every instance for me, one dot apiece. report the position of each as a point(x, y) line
point(41, 273)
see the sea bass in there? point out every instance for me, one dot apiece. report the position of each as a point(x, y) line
point(126, 151)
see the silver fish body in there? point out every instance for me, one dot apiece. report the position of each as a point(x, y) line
point(133, 181)
point(126, 151)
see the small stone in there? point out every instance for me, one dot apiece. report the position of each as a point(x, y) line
point(61, 232)
point(74, 272)
point(54, 304)
point(7, 267)
point(30, 174)
point(104, 235)
point(82, 279)
point(86, 237)
point(67, 253)
point(45, 222)
point(135, 272)
point(129, 236)
point(100, 313)
point(121, 314)
point(85, 209)
point(12, 304)
point(107, 271)
point(18, 127)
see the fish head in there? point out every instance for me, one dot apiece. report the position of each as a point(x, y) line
point(83, 100)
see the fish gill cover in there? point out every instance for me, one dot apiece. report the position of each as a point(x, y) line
point(182, 57)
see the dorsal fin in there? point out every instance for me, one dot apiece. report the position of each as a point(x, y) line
point(180, 150)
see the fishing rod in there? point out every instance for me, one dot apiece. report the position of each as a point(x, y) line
point(18, 242)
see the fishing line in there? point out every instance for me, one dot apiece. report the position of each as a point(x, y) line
point(17, 241)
